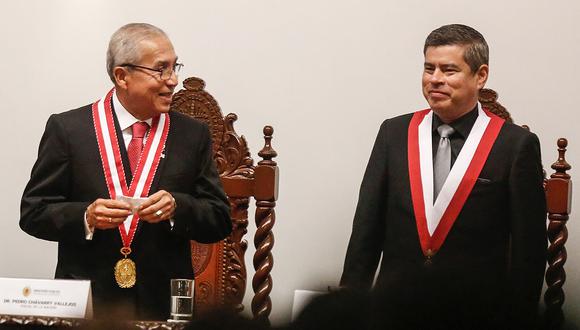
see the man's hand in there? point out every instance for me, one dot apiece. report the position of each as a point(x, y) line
point(107, 213)
point(158, 207)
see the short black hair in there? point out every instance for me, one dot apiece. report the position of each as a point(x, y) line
point(477, 51)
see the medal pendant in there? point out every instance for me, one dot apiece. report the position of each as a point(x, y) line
point(125, 270)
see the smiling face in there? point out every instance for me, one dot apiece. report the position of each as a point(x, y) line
point(141, 91)
point(449, 85)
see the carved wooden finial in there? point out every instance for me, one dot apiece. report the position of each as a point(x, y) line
point(487, 95)
point(194, 84)
point(229, 120)
point(232, 117)
point(267, 153)
point(488, 98)
point(558, 199)
point(561, 165)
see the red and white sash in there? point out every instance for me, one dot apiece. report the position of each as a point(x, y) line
point(113, 165)
point(434, 220)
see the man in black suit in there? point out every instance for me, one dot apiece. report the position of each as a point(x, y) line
point(452, 198)
point(124, 184)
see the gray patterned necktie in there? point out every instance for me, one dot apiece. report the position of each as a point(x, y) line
point(442, 164)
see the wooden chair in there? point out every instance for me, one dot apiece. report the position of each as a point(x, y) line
point(558, 188)
point(220, 269)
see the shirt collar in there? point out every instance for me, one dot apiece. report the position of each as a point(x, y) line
point(461, 125)
point(125, 118)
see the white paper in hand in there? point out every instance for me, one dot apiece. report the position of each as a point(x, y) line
point(135, 202)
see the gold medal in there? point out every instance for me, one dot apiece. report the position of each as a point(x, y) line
point(125, 270)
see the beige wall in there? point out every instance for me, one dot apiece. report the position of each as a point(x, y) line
point(323, 73)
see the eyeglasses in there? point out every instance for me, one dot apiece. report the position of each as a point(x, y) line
point(164, 73)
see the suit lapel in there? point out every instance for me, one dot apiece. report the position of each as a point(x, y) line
point(162, 161)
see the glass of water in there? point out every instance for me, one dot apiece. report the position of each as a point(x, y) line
point(181, 300)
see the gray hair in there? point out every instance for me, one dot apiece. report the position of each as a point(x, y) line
point(124, 44)
point(477, 51)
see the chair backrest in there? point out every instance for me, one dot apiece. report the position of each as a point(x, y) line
point(558, 188)
point(220, 269)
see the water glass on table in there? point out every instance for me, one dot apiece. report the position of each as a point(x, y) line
point(181, 300)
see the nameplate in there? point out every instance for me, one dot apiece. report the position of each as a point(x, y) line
point(54, 298)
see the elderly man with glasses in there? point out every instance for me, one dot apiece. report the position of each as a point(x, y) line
point(124, 184)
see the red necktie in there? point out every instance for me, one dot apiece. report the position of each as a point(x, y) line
point(136, 145)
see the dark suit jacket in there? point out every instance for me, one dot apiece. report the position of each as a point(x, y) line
point(490, 268)
point(68, 176)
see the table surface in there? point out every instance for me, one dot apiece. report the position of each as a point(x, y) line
point(36, 321)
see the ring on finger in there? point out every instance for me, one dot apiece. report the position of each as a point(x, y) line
point(159, 213)
point(109, 220)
